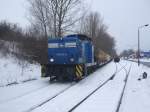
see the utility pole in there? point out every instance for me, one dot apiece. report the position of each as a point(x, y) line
point(139, 42)
point(138, 47)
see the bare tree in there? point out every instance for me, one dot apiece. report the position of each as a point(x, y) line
point(90, 24)
point(93, 26)
point(55, 16)
point(38, 10)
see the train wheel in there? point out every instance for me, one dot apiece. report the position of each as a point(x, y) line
point(70, 71)
point(85, 70)
point(52, 78)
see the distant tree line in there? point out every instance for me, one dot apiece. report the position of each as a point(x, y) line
point(22, 44)
point(127, 53)
point(92, 25)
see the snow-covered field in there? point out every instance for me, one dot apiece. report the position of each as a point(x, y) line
point(13, 71)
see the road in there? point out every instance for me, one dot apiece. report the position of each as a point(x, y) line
point(146, 63)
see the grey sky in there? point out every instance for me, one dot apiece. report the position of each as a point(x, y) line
point(122, 17)
point(14, 11)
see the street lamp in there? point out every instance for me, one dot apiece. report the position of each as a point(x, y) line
point(139, 41)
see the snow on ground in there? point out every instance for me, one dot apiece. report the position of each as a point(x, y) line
point(137, 93)
point(145, 60)
point(142, 60)
point(11, 72)
point(107, 98)
point(62, 102)
point(21, 89)
point(65, 101)
point(26, 102)
point(26, 96)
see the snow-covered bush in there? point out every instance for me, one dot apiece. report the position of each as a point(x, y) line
point(13, 71)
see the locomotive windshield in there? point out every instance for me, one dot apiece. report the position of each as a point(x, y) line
point(62, 45)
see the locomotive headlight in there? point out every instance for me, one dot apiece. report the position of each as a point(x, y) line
point(51, 60)
point(72, 59)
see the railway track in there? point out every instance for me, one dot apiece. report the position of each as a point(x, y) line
point(61, 92)
point(29, 91)
point(24, 94)
point(122, 94)
point(32, 91)
point(117, 71)
point(47, 100)
point(51, 98)
point(19, 100)
point(86, 97)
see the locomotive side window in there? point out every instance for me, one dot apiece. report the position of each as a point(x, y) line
point(72, 44)
point(53, 45)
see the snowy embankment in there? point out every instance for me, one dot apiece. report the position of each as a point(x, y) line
point(137, 93)
point(13, 71)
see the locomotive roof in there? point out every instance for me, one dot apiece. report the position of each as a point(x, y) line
point(80, 36)
point(73, 36)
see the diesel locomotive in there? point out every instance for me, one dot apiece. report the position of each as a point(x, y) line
point(69, 58)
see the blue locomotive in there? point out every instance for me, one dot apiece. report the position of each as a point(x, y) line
point(69, 57)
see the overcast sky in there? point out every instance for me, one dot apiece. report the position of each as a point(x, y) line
point(121, 16)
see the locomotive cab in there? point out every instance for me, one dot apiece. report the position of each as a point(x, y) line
point(68, 57)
